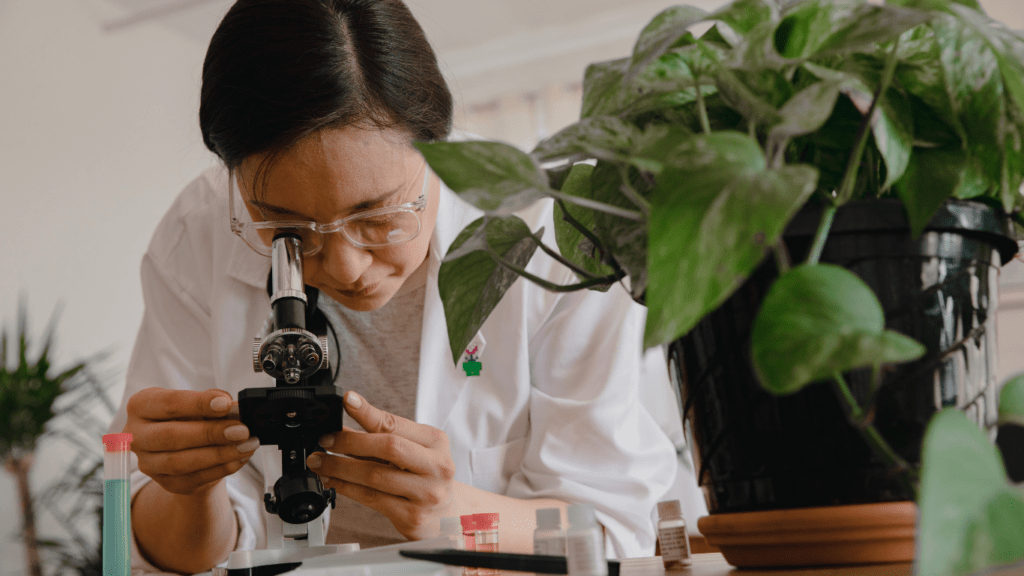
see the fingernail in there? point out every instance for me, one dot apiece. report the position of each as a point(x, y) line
point(220, 404)
point(313, 461)
point(244, 460)
point(248, 446)
point(327, 440)
point(354, 400)
point(236, 433)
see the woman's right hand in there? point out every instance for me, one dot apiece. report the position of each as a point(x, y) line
point(185, 440)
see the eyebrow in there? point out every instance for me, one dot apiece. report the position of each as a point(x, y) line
point(265, 207)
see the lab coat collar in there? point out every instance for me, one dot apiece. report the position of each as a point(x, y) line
point(435, 352)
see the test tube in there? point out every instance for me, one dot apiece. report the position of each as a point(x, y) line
point(117, 526)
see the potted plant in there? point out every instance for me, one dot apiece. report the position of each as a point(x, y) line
point(30, 393)
point(751, 186)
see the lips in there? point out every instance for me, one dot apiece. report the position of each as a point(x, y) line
point(361, 292)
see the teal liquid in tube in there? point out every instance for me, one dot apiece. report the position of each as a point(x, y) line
point(117, 521)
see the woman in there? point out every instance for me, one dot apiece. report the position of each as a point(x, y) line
point(312, 105)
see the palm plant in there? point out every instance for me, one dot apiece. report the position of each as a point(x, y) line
point(29, 390)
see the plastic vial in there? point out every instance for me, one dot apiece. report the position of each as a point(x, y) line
point(584, 543)
point(486, 532)
point(468, 522)
point(451, 529)
point(486, 538)
point(549, 537)
point(117, 527)
point(675, 542)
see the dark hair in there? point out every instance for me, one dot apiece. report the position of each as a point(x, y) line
point(279, 70)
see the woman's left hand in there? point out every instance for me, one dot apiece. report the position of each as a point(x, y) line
point(399, 468)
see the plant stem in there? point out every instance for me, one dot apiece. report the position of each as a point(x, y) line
point(822, 234)
point(862, 422)
point(602, 281)
point(702, 110)
point(599, 206)
point(572, 266)
point(629, 192)
point(782, 260)
point(19, 467)
point(605, 253)
point(853, 166)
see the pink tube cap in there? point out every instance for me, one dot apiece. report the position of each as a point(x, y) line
point(117, 442)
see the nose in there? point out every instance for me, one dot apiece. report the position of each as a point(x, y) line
point(339, 261)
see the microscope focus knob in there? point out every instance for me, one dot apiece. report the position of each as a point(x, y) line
point(257, 343)
point(309, 355)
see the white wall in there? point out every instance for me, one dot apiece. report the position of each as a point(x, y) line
point(98, 132)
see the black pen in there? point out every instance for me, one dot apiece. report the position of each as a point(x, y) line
point(538, 563)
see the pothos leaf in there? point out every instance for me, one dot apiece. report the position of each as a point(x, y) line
point(742, 99)
point(932, 177)
point(1011, 401)
point(806, 25)
point(891, 126)
point(602, 83)
point(661, 34)
point(600, 137)
point(871, 25)
point(715, 211)
point(494, 177)
point(744, 15)
point(967, 505)
point(1001, 158)
point(472, 284)
point(572, 244)
point(994, 535)
point(806, 111)
point(625, 239)
point(817, 320)
point(944, 5)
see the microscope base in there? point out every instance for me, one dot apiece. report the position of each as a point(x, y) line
point(278, 560)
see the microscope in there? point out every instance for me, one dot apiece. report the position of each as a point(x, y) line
point(302, 406)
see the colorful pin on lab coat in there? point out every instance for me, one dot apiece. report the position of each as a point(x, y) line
point(472, 366)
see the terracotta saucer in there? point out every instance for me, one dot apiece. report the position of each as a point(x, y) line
point(833, 535)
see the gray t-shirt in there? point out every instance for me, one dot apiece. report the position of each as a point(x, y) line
point(380, 355)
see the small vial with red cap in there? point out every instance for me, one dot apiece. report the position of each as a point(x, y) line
point(117, 527)
point(468, 522)
point(486, 537)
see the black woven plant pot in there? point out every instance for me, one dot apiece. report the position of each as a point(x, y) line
point(755, 451)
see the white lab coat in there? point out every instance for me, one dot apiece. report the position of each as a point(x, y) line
point(555, 411)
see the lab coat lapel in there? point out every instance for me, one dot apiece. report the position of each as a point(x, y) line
point(441, 380)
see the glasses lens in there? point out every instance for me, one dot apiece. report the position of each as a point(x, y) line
point(260, 238)
point(383, 230)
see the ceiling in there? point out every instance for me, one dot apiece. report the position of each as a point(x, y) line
point(486, 47)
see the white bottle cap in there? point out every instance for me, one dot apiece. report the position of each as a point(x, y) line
point(581, 515)
point(549, 519)
point(451, 525)
point(669, 510)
